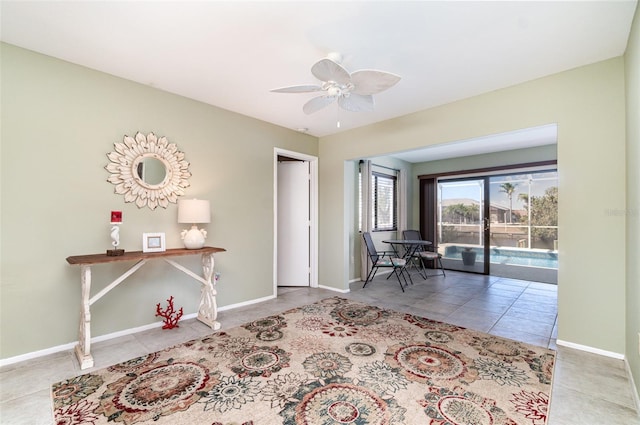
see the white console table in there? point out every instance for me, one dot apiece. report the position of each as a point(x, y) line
point(207, 312)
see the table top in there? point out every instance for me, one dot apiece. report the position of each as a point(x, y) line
point(138, 255)
point(407, 242)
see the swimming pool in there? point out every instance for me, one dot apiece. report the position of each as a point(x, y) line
point(510, 256)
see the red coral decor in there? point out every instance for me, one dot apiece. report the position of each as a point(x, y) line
point(171, 316)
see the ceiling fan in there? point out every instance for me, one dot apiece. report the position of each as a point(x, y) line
point(353, 91)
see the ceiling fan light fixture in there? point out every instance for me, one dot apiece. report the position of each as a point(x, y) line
point(334, 91)
point(352, 91)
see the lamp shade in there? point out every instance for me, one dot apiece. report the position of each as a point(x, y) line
point(194, 211)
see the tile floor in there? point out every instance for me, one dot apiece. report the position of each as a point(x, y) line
point(588, 389)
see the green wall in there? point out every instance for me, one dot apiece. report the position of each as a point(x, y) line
point(588, 105)
point(632, 212)
point(59, 121)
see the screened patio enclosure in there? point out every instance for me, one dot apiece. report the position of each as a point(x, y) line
point(503, 225)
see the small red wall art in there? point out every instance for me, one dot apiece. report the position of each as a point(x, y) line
point(116, 216)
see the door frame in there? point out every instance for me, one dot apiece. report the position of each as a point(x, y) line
point(313, 214)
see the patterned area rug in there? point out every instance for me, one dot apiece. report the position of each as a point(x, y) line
point(332, 362)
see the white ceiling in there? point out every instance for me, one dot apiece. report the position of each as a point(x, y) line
point(231, 53)
point(519, 139)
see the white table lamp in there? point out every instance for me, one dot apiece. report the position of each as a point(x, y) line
point(194, 211)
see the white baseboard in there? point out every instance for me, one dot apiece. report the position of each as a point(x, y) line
point(71, 345)
point(359, 279)
point(330, 288)
point(36, 354)
point(634, 389)
point(588, 349)
point(246, 303)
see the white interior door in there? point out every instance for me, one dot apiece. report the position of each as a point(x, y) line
point(293, 223)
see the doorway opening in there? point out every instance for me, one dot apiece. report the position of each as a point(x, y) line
point(295, 206)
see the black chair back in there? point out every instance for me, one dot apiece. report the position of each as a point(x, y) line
point(371, 248)
point(412, 235)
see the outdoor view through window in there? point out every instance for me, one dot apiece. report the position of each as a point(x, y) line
point(518, 212)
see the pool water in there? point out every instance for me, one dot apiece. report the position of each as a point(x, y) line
point(510, 256)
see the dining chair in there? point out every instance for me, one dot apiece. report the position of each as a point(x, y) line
point(424, 253)
point(383, 259)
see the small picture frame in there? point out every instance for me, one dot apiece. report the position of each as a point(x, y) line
point(153, 242)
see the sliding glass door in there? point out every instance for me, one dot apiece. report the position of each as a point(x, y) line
point(463, 226)
point(503, 224)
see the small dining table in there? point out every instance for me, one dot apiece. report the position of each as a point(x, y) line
point(410, 247)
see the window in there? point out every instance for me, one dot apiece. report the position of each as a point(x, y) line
point(384, 202)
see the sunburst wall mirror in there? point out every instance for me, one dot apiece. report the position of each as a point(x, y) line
point(148, 170)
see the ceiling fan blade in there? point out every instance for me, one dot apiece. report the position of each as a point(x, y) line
point(317, 103)
point(356, 103)
point(371, 81)
point(308, 88)
point(328, 70)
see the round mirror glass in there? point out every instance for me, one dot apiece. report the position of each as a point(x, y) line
point(151, 171)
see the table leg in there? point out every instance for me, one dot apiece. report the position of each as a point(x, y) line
point(83, 349)
point(421, 268)
point(208, 311)
point(409, 251)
